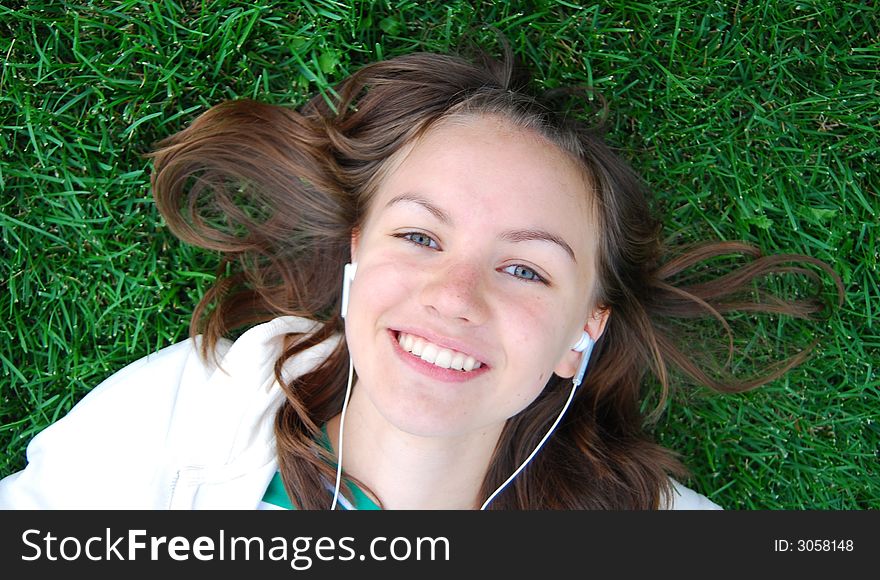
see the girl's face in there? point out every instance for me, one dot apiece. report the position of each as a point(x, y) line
point(475, 266)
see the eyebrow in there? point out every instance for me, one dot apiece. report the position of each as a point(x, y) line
point(538, 235)
point(436, 211)
point(510, 236)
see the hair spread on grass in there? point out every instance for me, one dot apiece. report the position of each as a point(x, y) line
point(278, 192)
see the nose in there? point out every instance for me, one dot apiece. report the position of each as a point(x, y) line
point(456, 292)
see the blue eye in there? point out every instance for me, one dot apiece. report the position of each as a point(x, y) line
point(524, 273)
point(420, 239)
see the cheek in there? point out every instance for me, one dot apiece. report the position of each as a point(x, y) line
point(534, 321)
point(379, 288)
point(380, 285)
point(542, 331)
point(535, 334)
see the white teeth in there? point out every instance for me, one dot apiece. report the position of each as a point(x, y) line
point(470, 363)
point(444, 359)
point(429, 353)
point(441, 357)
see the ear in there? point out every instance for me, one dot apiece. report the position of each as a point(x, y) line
point(355, 239)
point(568, 364)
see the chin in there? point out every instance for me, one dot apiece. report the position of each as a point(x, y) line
point(437, 421)
point(425, 425)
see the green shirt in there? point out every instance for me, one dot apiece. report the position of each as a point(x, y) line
point(276, 496)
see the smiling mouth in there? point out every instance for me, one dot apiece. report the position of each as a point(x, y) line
point(437, 355)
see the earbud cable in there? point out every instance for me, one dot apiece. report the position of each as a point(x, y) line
point(575, 382)
point(535, 451)
point(341, 428)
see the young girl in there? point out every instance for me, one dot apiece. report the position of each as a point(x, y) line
point(446, 294)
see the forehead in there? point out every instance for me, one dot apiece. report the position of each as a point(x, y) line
point(484, 170)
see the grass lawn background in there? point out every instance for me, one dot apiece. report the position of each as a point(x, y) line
point(753, 121)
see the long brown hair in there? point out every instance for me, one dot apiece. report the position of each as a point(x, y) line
point(278, 192)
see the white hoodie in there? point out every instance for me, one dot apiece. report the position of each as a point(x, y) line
point(170, 432)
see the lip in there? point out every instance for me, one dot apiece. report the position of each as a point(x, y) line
point(431, 370)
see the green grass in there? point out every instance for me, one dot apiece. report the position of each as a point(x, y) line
point(751, 120)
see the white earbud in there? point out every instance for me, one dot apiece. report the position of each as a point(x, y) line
point(347, 278)
point(585, 342)
point(584, 345)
